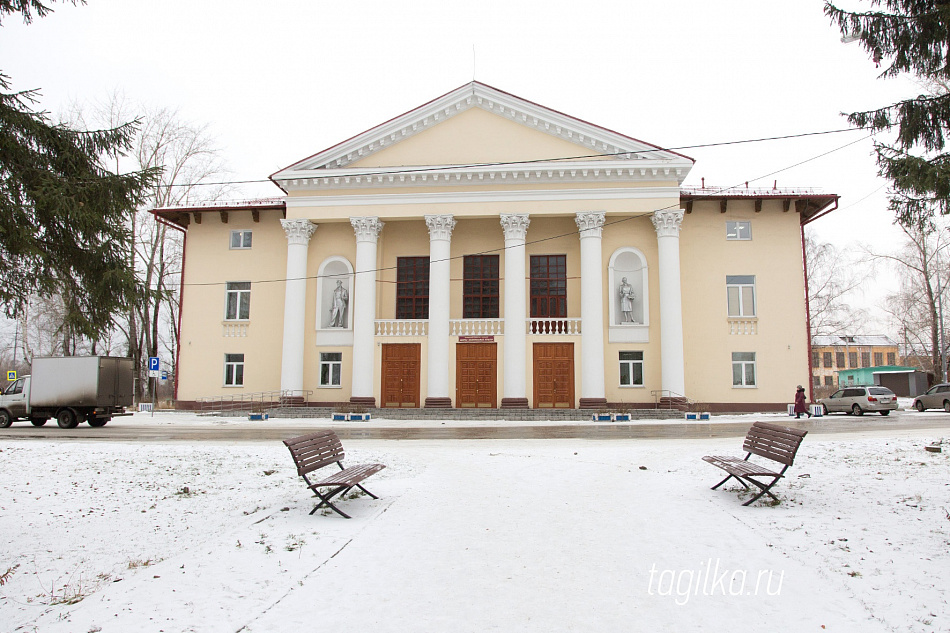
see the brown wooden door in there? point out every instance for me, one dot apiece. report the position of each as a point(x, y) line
point(476, 375)
point(400, 374)
point(554, 375)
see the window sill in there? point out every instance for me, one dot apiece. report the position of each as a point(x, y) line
point(232, 386)
point(745, 386)
point(329, 386)
point(630, 387)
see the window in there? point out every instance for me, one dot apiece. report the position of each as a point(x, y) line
point(815, 357)
point(852, 359)
point(865, 359)
point(739, 230)
point(480, 287)
point(826, 359)
point(14, 388)
point(878, 359)
point(238, 305)
point(740, 290)
point(631, 369)
point(549, 286)
point(743, 369)
point(331, 366)
point(234, 370)
point(891, 360)
point(816, 380)
point(412, 287)
point(240, 239)
point(829, 381)
point(839, 360)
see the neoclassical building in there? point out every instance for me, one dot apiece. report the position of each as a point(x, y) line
point(482, 250)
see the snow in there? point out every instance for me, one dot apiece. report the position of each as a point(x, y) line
point(507, 535)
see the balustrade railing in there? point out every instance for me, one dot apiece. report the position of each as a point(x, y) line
point(234, 328)
point(554, 326)
point(402, 327)
point(743, 326)
point(476, 327)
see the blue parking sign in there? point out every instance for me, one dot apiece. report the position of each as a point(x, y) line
point(153, 364)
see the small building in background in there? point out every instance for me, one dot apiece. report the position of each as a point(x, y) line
point(832, 354)
point(906, 382)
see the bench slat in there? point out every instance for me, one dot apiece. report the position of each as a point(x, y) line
point(351, 476)
point(739, 466)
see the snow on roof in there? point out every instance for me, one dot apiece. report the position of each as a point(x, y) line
point(857, 339)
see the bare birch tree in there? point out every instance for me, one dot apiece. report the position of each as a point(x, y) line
point(833, 277)
point(921, 264)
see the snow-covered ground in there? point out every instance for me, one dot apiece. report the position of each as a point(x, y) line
point(505, 535)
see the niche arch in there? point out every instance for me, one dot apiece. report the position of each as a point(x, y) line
point(628, 263)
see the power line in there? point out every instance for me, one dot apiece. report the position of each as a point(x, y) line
point(563, 235)
point(535, 161)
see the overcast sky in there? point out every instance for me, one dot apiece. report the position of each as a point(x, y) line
point(279, 81)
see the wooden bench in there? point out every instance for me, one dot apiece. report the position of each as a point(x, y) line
point(771, 441)
point(316, 450)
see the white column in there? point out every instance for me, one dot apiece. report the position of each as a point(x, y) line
point(515, 392)
point(295, 305)
point(673, 372)
point(440, 252)
point(593, 394)
point(364, 310)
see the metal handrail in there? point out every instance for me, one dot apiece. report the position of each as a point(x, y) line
point(258, 401)
point(672, 396)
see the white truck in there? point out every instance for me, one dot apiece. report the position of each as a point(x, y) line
point(71, 389)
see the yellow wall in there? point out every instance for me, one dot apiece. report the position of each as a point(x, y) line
point(774, 256)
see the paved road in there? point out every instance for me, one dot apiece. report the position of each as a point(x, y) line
point(276, 429)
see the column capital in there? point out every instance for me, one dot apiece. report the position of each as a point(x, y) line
point(298, 231)
point(367, 228)
point(590, 223)
point(440, 226)
point(667, 222)
point(515, 225)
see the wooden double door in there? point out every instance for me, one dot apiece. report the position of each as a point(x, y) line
point(553, 375)
point(400, 369)
point(476, 375)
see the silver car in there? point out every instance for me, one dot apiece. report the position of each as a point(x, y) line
point(937, 397)
point(857, 399)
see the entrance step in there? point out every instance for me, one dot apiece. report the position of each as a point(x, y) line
point(555, 415)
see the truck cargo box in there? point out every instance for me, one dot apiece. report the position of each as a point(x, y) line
point(81, 381)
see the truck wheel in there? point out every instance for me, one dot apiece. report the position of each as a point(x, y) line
point(37, 421)
point(5, 419)
point(94, 421)
point(66, 419)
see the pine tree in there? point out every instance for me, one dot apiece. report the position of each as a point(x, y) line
point(908, 37)
point(65, 214)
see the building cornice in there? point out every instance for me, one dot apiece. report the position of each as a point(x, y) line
point(469, 196)
point(596, 171)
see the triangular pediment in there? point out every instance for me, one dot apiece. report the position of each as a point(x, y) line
point(476, 126)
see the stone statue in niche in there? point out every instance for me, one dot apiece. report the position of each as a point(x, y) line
point(626, 301)
point(338, 306)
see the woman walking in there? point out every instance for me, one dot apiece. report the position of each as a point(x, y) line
point(800, 406)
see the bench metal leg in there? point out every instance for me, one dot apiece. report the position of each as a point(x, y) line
point(366, 491)
point(325, 501)
point(727, 479)
point(765, 491)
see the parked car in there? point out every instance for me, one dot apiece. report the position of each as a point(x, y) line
point(856, 399)
point(937, 397)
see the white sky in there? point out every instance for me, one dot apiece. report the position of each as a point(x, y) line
point(281, 81)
